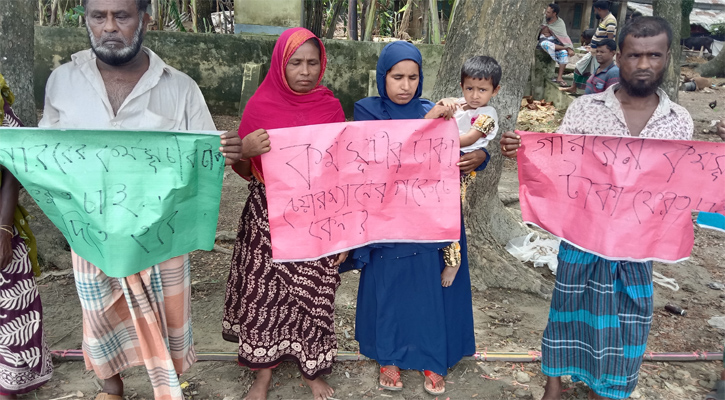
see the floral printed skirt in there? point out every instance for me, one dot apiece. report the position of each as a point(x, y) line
point(278, 311)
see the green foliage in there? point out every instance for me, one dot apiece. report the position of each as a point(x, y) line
point(718, 29)
point(73, 16)
point(687, 6)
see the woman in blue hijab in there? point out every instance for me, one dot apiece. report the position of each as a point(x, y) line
point(405, 318)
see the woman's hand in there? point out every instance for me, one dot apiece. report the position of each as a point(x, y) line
point(510, 143)
point(340, 258)
point(470, 161)
point(256, 144)
point(231, 148)
point(440, 111)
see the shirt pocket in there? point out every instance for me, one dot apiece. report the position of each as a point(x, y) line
point(152, 120)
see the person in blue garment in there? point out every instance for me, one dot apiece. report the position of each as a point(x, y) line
point(405, 318)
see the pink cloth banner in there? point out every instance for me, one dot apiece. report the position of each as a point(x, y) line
point(623, 198)
point(335, 187)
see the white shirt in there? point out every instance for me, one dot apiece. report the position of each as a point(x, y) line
point(463, 119)
point(163, 99)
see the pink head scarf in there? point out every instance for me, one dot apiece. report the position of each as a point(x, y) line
point(275, 105)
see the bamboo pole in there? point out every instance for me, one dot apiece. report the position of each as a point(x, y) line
point(370, 21)
point(435, 23)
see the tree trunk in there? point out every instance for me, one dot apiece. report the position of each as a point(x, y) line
point(16, 55)
point(405, 21)
point(352, 19)
point(509, 38)
point(363, 17)
point(714, 67)
point(53, 12)
point(330, 30)
point(435, 23)
point(671, 10)
point(416, 20)
point(425, 35)
point(202, 16)
point(370, 20)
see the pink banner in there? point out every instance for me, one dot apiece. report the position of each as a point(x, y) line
point(335, 187)
point(624, 198)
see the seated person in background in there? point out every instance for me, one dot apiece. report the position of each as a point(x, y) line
point(554, 40)
point(581, 74)
point(608, 73)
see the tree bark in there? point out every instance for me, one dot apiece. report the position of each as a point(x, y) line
point(671, 10)
point(714, 67)
point(510, 38)
point(352, 19)
point(16, 55)
point(405, 20)
point(336, 9)
point(365, 5)
point(202, 16)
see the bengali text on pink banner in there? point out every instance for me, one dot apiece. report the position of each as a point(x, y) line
point(623, 198)
point(335, 187)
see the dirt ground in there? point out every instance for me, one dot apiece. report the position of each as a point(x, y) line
point(505, 321)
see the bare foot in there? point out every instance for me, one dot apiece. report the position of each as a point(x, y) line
point(391, 377)
point(259, 388)
point(113, 385)
point(552, 390)
point(448, 275)
point(320, 389)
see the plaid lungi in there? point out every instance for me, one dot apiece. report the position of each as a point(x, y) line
point(560, 56)
point(600, 317)
point(142, 319)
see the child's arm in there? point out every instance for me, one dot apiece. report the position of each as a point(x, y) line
point(482, 126)
point(449, 102)
point(470, 137)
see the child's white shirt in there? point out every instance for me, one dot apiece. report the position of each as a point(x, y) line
point(463, 119)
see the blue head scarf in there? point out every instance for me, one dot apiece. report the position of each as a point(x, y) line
point(382, 107)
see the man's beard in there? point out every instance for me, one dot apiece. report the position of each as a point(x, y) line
point(548, 19)
point(116, 57)
point(638, 88)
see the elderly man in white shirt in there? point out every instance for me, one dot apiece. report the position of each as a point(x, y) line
point(118, 84)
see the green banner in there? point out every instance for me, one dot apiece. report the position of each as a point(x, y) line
point(124, 200)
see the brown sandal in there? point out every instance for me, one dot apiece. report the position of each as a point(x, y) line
point(394, 375)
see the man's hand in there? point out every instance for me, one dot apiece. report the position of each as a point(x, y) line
point(231, 148)
point(721, 129)
point(6, 249)
point(470, 161)
point(510, 143)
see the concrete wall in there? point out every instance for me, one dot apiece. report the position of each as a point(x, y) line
point(216, 62)
point(287, 13)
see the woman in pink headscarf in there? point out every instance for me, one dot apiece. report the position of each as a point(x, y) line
point(281, 311)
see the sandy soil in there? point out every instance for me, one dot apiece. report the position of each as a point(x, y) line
point(506, 321)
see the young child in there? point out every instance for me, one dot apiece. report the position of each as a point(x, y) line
point(477, 125)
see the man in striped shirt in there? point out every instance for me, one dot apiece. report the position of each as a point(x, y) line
point(607, 28)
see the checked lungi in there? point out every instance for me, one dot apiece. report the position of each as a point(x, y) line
point(600, 317)
point(143, 319)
